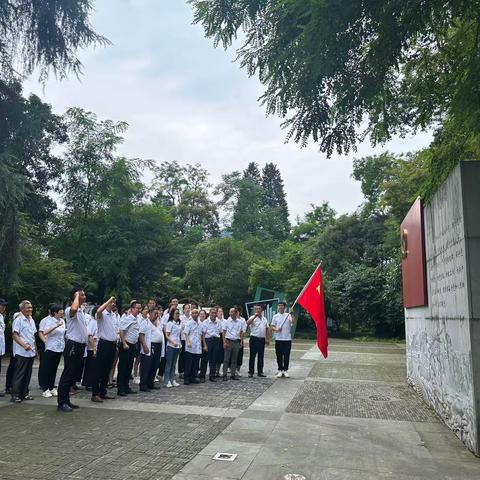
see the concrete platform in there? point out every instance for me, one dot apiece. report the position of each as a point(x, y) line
point(376, 427)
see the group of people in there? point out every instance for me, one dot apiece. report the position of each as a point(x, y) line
point(144, 344)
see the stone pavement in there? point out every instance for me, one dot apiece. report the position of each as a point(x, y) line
point(350, 417)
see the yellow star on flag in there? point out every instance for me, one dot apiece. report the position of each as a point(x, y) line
point(318, 289)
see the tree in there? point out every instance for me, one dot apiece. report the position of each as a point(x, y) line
point(329, 65)
point(315, 222)
point(45, 36)
point(185, 190)
point(218, 272)
point(91, 148)
point(275, 208)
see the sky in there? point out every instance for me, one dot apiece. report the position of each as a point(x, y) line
point(188, 101)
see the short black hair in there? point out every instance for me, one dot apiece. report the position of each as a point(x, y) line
point(134, 302)
point(282, 303)
point(54, 308)
point(75, 289)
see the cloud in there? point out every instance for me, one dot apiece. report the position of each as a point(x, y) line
point(186, 101)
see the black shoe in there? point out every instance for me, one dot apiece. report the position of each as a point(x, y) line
point(64, 408)
point(88, 389)
point(130, 391)
point(96, 399)
point(250, 375)
point(262, 375)
point(72, 406)
point(202, 380)
point(121, 394)
point(144, 389)
point(107, 397)
point(225, 378)
point(186, 382)
point(234, 377)
point(27, 397)
point(213, 379)
point(196, 380)
point(154, 388)
point(16, 400)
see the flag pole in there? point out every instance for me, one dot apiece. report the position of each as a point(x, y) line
point(303, 289)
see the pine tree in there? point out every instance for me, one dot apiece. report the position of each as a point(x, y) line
point(274, 204)
point(252, 173)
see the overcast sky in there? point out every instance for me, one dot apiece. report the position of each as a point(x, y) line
point(186, 101)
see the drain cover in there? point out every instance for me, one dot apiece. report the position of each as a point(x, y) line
point(225, 457)
point(294, 476)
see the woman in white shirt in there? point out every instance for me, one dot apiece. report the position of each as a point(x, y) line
point(52, 331)
point(173, 332)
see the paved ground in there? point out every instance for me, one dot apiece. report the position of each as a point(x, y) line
point(350, 417)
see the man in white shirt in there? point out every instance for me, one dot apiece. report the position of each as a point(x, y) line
point(212, 332)
point(232, 341)
point(76, 342)
point(107, 344)
point(24, 350)
point(184, 318)
point(282, 323)
point(129, 331)
point(193, 343)
point(259, 337)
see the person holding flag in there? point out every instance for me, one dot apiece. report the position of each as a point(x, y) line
point(281, 326)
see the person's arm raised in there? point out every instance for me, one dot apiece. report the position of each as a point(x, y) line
point(101, 308)
point(75, 305)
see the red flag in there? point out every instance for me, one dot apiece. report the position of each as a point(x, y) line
point(312, 300)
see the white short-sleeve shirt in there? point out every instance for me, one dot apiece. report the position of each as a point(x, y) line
point(92, 329)
point(281, 320)
point(55, 340)
point(212, 329)
point(26, 329)
point(258, 328)
point(146, 329)
point(107, 329)
point(232, 328)
point(76, 326)
point(129, 325)
point(194, 331)
point(174, 330)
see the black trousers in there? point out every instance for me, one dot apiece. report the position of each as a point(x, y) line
point(9, 374)
point(156, 355)
point(203, 364)
point(213, 345)
point(22, 376)
point(50, 361)
point(181, 358)
point(73, 363)
point(145, 364)
point(103, 362)
point(125, 365)
point(41, 367)
point(90, 377)
point(257, 347)
point(282, 350)
point(192, 362)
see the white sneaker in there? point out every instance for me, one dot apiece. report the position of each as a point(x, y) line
point(169, 385)
point(175, 384)
point(47, 394)
point(279, 374)
point(136, 381)
point(54, 392)
point(286, 375)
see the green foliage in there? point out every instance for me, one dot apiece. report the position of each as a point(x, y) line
point(329, 65)
point(44, 35)
point(218, 272)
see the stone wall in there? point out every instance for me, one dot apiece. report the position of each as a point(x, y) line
point(443, 338)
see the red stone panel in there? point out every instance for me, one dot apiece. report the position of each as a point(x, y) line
point(414, 263)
